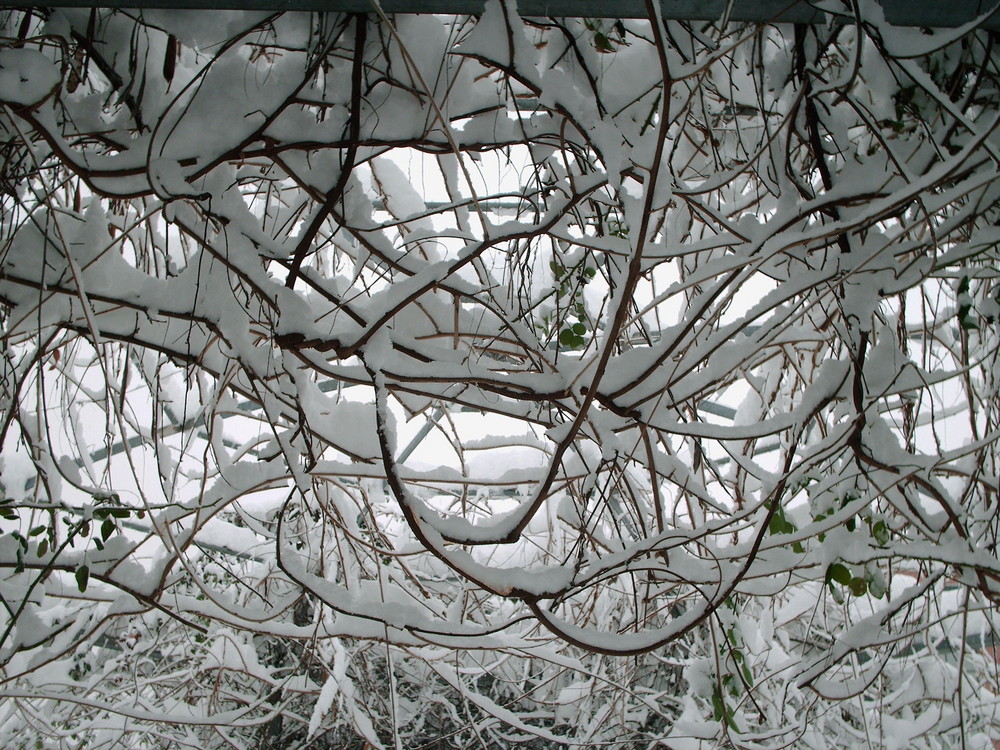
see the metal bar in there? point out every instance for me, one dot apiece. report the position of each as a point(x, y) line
point(419, 437)
point(923, 13)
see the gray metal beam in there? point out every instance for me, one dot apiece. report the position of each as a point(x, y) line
point(921, 13)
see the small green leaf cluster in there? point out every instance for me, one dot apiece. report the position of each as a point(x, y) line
point(722, 711)
point(570, 281)
point(9, 512)
point(732, 684)
point(906, 113)
point(106, 513)
point(739, 658)
point(856, 581)
point(109, 516)
point(868, 581)
point(605, 38)
point(970, 314)
point(878, 528)
point(779, 524)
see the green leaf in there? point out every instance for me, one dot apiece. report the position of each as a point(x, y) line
point(881, 533)
point(579, 329)
point(969, 324)
point(85, 528)
point(858, 586)
point(779, 523)
point(37, 530)
point(837, 596)
point(876, 586)
point(602, 43)
point(722, 711)
point(732, 684)
point(839, 573)
point(107, 529)
point(82, 577)
point(566, 337)
point(718, 705)
point(43, 548)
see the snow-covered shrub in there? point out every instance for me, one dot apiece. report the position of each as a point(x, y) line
point(430, 382)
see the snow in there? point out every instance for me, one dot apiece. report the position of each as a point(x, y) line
point(347, 425)
point(26, 76)
point(330, 689)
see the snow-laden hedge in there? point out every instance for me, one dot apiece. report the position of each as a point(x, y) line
point(427, 381)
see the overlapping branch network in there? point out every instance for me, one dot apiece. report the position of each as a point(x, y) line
point(474, 324)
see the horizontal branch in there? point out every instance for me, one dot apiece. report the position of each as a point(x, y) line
point(928, 13)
